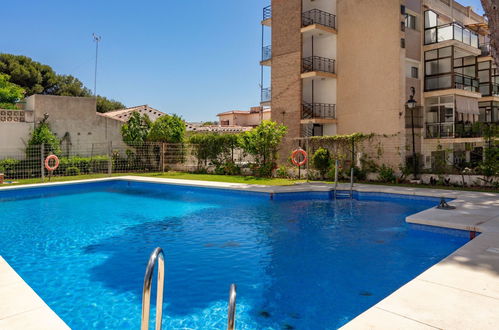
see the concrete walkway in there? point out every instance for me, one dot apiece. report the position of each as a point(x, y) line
point(460, 292)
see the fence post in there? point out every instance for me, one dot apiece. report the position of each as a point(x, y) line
point(42, 161)
point(309, 155)
point(110, 159)
point(162, 157)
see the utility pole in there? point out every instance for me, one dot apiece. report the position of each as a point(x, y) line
point(97, 39)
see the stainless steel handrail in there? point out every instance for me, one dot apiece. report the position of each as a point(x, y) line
point(351, 182)
point(335, 177)
point(232, 307)
point(158, 255)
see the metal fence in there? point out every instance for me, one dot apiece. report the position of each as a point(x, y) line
point(108, 159)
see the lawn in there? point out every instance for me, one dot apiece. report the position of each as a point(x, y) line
point(175, 175)
point(236, 179)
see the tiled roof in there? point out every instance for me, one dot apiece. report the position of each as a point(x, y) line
point(124, 114)
point(216, 129)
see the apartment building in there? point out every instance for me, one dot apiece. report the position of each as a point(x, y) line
point(343, 66)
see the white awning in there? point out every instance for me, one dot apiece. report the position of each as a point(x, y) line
point(467, 105)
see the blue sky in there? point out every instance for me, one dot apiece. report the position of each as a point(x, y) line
point(195, 58)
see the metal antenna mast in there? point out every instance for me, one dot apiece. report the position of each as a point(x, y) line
point(97, 39)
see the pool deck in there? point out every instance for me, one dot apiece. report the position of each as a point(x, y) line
point(460, 292)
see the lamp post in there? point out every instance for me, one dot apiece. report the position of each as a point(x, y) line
point(411, 105)
point(97, 39)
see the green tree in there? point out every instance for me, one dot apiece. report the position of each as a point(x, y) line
point(34, 77)
point(37, 78)
point(68, 85)
point(106, 105)
point(321, 160)
point(136, 130)
point(9, 93)
point(490, 165)
point(170, 129)
point(263, 143)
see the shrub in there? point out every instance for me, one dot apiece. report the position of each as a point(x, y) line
point(215, 149)
point(386, 174)
point(282, 172)
point(359, 174)
point(228, 168)
point(9, 167)
point(321, 160)
point(263, 143)
point(72, 171)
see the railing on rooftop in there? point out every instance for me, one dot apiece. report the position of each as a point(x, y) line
point(318, 111)
point(451, 31)
point(316, 16)
point(267, 13)
point(317, 63)
point(266, 94)
point(450, 81)
point(266, 53)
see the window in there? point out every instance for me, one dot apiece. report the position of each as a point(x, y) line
point(414, 72)
point(430, 19)
point(402, 43)
point(410, 21)
point(440, 116)
point(402, 9)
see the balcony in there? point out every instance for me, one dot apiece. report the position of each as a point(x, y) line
point(451, 81)
point(266, 55)
point(468, 130)
point(267, 16)
point(485, 49)
point(266, 95)
point(454, 130)
point(318, 111)
point(316, 16)
point(451, 31)
point(316, 66)
point(439, 130)
point(489, 89)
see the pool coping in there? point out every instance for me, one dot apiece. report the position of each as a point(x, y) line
point(477, 263)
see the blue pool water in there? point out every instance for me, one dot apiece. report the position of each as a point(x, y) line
point(300, 261)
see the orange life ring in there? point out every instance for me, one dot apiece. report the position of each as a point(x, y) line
point(56, 164)
point(301, 152)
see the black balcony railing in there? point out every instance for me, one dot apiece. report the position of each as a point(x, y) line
point(451, 80)
point(266, 53)
point(316, 16)
point(489, 89)
point(439, 130)
point(266, 95)
point(454, 130)
point(317, 63)
point(465, 130)
point(318, 110)
point(485, 49)
point(267, 13)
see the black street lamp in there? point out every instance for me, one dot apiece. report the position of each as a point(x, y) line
point(411, 105)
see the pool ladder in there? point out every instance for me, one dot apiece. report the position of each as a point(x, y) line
point(158, 255)
point(350, 194)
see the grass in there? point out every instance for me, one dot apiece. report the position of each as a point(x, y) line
point(174, 175)
point(240, 179)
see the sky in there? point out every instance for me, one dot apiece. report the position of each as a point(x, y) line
point(195, 58)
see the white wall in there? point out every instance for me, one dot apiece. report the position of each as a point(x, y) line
point(13, 139)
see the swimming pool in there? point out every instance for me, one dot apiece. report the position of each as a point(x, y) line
point(300, 260)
